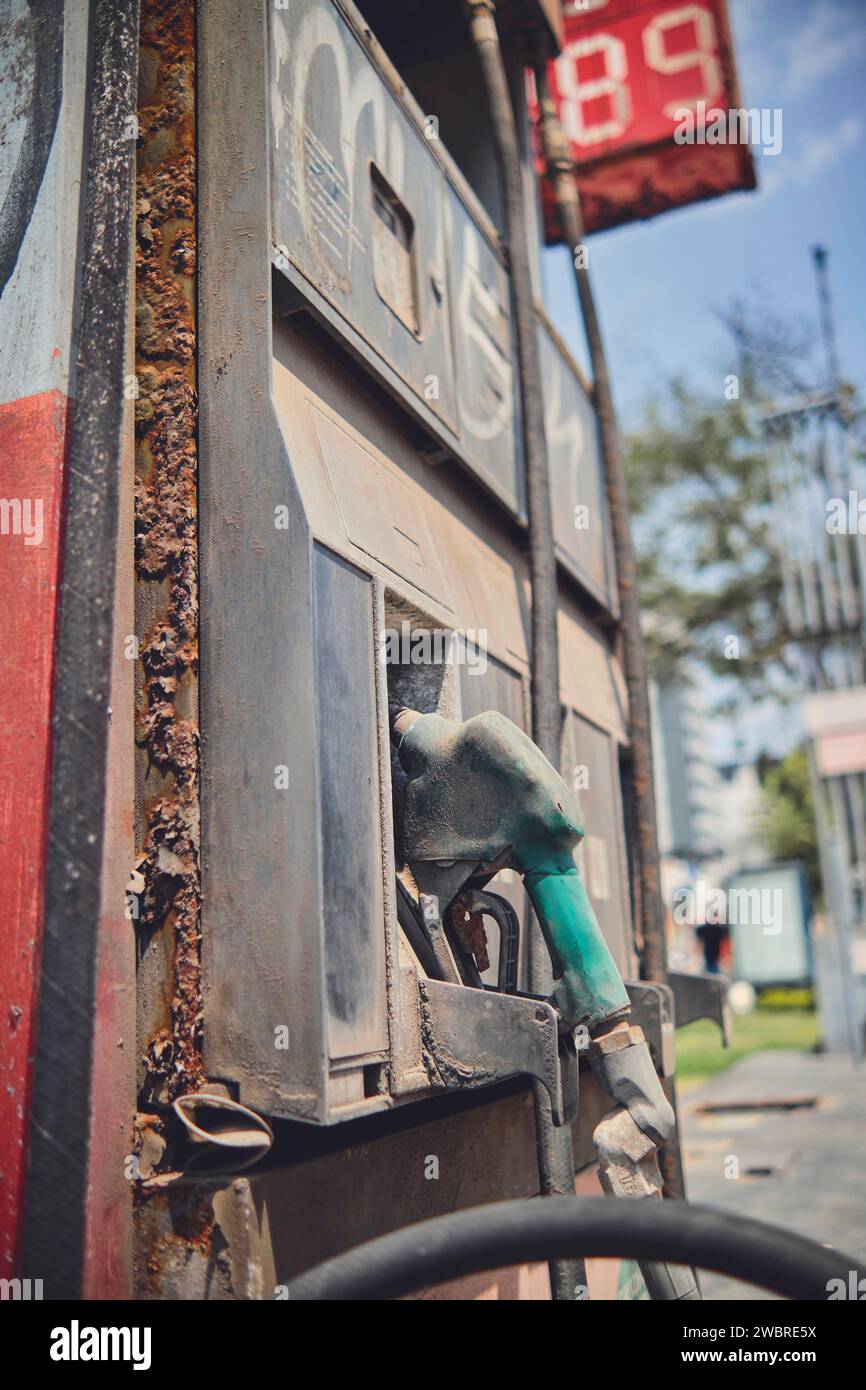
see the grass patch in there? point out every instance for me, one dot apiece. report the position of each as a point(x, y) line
point(700, 1054)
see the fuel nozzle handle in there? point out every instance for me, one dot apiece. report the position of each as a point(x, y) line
point(481, 792)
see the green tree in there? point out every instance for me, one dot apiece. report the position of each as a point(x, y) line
point(789, 815)
point(707, 565)
point(706, 533)
point(707, 540)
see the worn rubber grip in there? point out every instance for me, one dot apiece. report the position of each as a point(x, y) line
point(588, 988)
point(630, 1077)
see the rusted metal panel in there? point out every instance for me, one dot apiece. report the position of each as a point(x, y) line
point(491, 1147)
point(300, 454)
point(321, 1199)
point(166, 896)
point(167, 900)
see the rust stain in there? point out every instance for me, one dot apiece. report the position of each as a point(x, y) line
point(471, 933)
point(166, 546)
point(179, 1226)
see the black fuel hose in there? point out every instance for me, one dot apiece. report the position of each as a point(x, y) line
point(545, 1228)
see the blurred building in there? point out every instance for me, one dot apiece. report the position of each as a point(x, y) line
point(687, 783)
point(709, 817)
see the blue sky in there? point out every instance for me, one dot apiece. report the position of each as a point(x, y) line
point(660, 283)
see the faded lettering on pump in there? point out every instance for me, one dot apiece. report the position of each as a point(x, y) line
point(370, 224)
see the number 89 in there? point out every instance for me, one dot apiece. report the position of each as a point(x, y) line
point(613, 84)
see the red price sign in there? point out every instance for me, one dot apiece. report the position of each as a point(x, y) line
point(627, 73)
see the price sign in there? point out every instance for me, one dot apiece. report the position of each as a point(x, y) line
point(627, 73)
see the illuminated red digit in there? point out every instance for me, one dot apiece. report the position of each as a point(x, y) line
point(575, 94)
point(704, 55)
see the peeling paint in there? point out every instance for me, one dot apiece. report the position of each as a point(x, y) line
point(166, 543)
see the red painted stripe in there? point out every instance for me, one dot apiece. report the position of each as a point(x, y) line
point(32, 455)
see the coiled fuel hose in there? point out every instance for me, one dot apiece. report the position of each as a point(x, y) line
point(541, 1229)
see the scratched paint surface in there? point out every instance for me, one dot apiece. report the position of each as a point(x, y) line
point(42, 64)
point(32, 442)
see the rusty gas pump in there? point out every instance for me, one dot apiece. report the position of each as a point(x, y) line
point(481, 797)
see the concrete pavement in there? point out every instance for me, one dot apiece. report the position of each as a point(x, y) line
point(781, 1136)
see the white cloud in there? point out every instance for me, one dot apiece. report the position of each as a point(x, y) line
point(832, 38)
point(816, 155)
point(820, 152)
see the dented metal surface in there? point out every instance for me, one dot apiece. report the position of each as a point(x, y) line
point(166, 552)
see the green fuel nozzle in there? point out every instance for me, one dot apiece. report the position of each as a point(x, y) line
point(481, 794)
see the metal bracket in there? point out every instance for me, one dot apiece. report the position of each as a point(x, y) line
point(652, 1009)
point(701, 996)
point(474, 1037)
